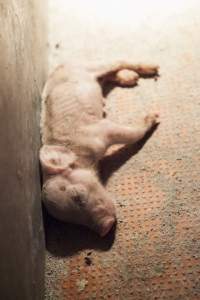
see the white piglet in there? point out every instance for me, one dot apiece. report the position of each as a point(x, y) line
point(75, 136)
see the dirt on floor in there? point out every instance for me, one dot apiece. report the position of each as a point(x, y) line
point(154, 253)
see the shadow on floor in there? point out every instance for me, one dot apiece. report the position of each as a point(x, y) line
point(113, 162)
point(63, 239)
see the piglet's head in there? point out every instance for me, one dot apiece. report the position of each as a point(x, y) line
point(74, 194)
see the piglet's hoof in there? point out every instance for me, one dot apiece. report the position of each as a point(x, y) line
point(152, 119)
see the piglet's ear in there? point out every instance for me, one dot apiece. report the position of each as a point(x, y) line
point(55, 159)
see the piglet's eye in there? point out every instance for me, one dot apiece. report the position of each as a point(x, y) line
point(62, 188)
point(78, 194)
point(79, 201)
point(99, 201)
point(53, 161)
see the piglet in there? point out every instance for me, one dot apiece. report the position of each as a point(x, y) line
point(75, 136)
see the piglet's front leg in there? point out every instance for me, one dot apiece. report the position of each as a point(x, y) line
point(116, 134)
point(109, 133)
point(106, 133)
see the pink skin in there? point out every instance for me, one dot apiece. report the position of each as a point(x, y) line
point(76, 196)
point(76, 136)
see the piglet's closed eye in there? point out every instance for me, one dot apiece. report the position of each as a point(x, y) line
point(55, 159)
point(78, 194)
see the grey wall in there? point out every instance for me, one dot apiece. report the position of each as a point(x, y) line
point(22, 72)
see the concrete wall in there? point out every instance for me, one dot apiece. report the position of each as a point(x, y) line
point(22, 72)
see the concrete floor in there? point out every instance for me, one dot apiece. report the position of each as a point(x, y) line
point(155, 251)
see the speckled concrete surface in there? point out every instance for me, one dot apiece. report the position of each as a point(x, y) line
point(155, 251)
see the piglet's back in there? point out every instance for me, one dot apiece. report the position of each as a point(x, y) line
point(67, 104)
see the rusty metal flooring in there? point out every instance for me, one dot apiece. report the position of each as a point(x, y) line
point(154, 252)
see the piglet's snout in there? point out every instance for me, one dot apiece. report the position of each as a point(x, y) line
point(106, 226)
point(108, 220)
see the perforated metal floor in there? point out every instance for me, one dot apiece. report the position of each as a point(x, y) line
point(154, 252)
